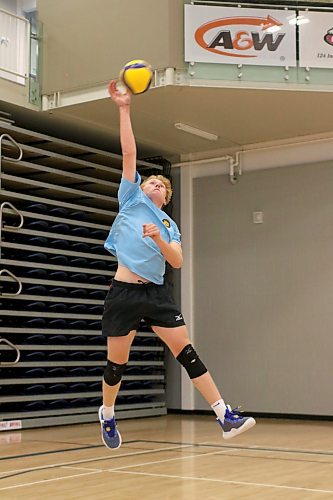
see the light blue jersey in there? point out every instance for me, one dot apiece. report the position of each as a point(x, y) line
point(140, 255)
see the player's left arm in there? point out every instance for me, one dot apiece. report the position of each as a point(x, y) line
point(172, 252)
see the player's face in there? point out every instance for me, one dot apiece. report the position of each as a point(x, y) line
point(155, 190)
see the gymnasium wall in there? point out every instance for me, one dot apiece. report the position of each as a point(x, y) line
point(263, 293)
point(86, 42)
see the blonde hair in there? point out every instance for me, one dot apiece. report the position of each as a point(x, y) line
point(166, 183)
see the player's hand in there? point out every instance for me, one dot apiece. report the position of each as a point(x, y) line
point(118, 97)
point(151, 230)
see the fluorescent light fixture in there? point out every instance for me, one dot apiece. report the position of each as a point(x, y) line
point(196, 131)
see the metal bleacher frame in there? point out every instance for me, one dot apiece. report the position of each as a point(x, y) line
point(36, 169)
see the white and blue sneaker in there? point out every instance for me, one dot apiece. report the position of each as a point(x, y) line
point(110, 435)
point(234, 423)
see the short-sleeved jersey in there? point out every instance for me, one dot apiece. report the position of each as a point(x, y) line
point(140, 255)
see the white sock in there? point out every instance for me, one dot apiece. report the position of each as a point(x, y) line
point(219, 407)
point(108, 412)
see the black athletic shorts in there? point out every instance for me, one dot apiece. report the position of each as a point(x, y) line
point(126, 304)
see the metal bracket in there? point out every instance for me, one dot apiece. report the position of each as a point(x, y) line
point(169, 76)
point(11, 228)
point(235, 169)
point(15, 348)
point(7, 136)
point(51, 101)
point(15, 278)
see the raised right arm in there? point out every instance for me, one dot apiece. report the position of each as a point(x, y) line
point(128, 146)
point(127, 140)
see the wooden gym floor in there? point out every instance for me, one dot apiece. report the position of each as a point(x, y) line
point(174, 457)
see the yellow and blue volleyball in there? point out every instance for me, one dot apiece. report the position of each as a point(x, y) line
point(137, 75)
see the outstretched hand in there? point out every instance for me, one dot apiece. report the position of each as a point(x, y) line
point(117, 97)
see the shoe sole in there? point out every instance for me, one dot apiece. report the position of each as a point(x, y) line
point(102, 435)
point(235, 432)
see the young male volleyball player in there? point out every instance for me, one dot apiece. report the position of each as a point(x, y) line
point(143, 238)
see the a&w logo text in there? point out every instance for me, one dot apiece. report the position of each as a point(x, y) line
point(240, 37)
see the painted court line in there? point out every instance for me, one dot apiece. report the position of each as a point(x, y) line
point(88, 460)
point(155, 462)
point(50, 452)
point(170, 460)
point(255, 447)
point(72, 467)
point(121, 470)
point(47, 481)
point(271, 448)
point(53, 452)
point(225, 481)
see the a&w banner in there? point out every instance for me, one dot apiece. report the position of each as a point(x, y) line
point(240, 36)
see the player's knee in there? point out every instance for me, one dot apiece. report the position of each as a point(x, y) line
point(190, 360)
point(113, 372)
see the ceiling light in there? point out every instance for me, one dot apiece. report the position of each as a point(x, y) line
point(196, 131)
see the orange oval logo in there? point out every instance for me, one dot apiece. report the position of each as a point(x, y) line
point(242, 40)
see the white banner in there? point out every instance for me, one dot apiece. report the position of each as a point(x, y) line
point(235, 35)
point(316, 39)
point(10, 425)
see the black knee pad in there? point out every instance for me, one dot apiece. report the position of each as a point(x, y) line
point(191, 362)
point(113, 373)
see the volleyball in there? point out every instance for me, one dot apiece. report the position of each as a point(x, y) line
point(137, 76)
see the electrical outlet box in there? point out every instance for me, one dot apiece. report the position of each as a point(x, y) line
point(258, 217)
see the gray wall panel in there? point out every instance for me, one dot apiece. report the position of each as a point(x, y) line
point(264, 292)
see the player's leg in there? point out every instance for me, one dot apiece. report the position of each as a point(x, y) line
point(117, 357)
point(177, 339)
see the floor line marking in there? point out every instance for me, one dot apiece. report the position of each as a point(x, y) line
point(239, 447)
point(151, 463)
point(52, 452)
point(170, 460)
point(226, 481)
point(24, 485)
point(87, 460)
point(82, 468)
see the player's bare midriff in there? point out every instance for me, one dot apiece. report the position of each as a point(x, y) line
point(124, 274)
